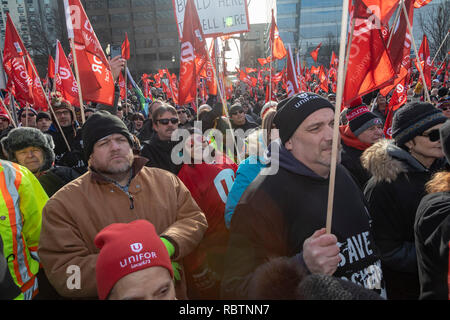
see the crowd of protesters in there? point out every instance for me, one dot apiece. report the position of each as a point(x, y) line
point(127, 207)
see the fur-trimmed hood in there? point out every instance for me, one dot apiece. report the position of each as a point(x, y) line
point(386, 161)
point(24, 137)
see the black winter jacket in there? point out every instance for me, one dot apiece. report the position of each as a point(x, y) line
point(432, 237)
point(158, 153)
point(277, 213)
point(394, 191)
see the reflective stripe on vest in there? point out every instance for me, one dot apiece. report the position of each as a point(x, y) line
point(10, 179)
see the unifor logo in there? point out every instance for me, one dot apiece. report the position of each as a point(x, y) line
point(136, 247)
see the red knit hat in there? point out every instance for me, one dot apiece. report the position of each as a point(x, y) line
point(126, 248)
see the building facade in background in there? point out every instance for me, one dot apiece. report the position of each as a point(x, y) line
point(151, 29)
point(254, 45)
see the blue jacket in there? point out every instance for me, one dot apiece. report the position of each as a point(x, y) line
point(246, 173)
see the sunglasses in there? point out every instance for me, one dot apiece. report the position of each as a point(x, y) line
point(236, 112)
point(433, 135)
point(444, 108)
point(181, 111)
point(166, 121)
point(29, 115)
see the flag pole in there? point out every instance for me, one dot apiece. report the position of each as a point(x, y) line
point(50, 105)
point(126, 80)
point(75, 65)
point(224, 105)
point(9, 114)
point(339, 94)
point(397, 16)
point(432, 61)
point(425, 88)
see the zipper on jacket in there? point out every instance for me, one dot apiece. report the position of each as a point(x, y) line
point(131, 201)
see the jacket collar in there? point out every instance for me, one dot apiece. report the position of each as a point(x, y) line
point(138, 163)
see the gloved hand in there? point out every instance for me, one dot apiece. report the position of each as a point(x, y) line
point(176, 267)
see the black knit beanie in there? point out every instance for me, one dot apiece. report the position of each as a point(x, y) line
point(413, 119)
point(99, 125)
point(360, 119)
point(294, 110)
point(445, 139)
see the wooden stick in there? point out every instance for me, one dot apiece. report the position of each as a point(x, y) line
point(50, 106)
point(425, 88)
point(391, 33)
point(432, 61)
point(339, 94)
point(75, 65)
point(26, 114)
point(224, 105)
point(9, 114)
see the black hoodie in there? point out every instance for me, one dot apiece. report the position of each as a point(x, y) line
point(277, 213)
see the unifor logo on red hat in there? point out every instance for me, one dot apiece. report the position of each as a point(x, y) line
point(136, 247)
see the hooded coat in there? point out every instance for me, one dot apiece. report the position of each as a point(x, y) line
point(394, 191)
point(277, 213)
point(432, 237)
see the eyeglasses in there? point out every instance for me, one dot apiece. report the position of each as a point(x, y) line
point(236, 112)
point(433, 135)
point(166, 121)
point(24, 115)
point(181, 111)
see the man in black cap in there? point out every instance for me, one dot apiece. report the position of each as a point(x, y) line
point(285, 214)
point(43, 121)
point(238, 118)
point(400, 168)
point(118, 188)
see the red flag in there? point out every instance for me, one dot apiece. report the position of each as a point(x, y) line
point(51, 67)
point(192, 45)
point(425, 61)
point(126, 48)
point(369, 65)
point(264, 61)
point(210, 79)
point(315, 52)
point(270, 97)
point(97, 83)
point(334, 60)
point(315, 70)
point(20, 84)
point(400, 45)
point(250, 70)
point(174, 88)
point(123, 90)
point(384, 9)
point(277, 76)
point(39, 100)
point(398, 99)
point(291, 77)
point(278, 48)
point(421, 3)
point(323, 79)
point(65, 82)
point(157, 78)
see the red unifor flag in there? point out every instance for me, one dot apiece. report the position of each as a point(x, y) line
point(277, 77)
point(278, 48)
point(425, 61)
point(39, 99)
point(291, 76)
point(398, 99)
point(166, 89)
point(384, 9)
point(96, 80)
point(65, 81)
point(192, 46)
point(369, 65)
point(315, 52)
point(126, 48)
point(421, 3)
point(334, 60)
point(157, 78)
point(250, 70)
point(51, 67)
point(315, 70)
point(20, 83)
point(400, 45)
point(210, 79)
point(123, 90)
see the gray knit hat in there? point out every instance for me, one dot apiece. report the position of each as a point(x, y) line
point(24, 137)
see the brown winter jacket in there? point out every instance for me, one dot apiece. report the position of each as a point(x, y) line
point(77, 212)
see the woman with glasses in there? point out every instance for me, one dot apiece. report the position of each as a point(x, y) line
point(400, 169)
point(444, 106)
point(209, 175)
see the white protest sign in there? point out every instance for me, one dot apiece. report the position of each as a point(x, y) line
point(217, 17)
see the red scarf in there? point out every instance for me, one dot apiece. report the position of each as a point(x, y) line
point(349, 139)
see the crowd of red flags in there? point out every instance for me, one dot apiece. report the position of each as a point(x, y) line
point(379, 58)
